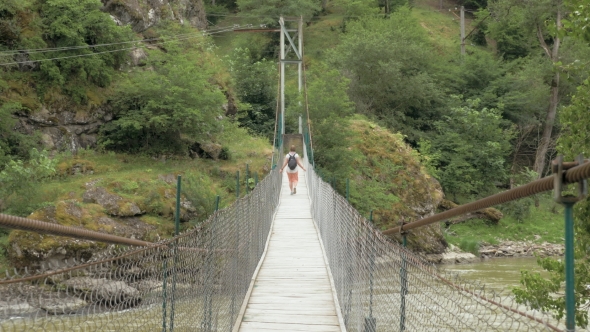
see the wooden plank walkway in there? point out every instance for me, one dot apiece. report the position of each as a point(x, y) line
point(292, 291)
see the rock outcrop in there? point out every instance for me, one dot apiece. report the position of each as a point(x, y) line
point(143, 14)
point(406, 191)
point(64, 128)
point(114, 205)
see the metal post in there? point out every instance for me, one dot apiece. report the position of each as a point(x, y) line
point(177, 216)
point(348, 190)
point(371, 322)
point(237, 184)
point(176, 232)
point(217, 203)
point(256, 179)
point(282, 75)
point(462, 30)
point(404, 290)
point(247, 178)
point(570, 300)
point(164, 315)
point(568, 202)
point(300, 64)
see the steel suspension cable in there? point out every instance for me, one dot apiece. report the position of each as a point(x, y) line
point(42, 227)
point(572, 175)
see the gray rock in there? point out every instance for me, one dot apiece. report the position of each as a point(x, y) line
point(138, 57)
point(458, 258)
point(113, 204)
point(212, 149)
point(103, 290)
point(62, 306)
point(142, 15)
point(16, 307)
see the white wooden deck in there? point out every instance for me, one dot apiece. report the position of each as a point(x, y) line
point(292, 290)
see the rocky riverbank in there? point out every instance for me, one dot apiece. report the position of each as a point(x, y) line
point(521, 249)
point(454, 255)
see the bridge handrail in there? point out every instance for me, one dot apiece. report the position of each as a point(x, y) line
point(197, 279)
point(573, 175)
point(381, 285)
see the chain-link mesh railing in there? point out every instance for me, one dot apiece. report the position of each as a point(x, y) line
point(381, 286)
point(195, 282)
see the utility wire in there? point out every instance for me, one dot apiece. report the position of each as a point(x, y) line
point(112, 51)
point(55, 49)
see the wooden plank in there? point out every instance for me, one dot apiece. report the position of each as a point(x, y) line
point(292, 291)
point(292, 319)
point(257, 326)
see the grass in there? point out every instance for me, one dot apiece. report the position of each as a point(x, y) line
point(544, 224)
point(148, 182)
point(4, 264)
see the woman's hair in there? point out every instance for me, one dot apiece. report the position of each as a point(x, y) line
point(292, 148)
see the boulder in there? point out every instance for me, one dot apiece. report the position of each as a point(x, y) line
point(114, 205)
point(213, 150)
point(103, 290)
point(62, 306)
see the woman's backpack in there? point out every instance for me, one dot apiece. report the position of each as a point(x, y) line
point(292, 163)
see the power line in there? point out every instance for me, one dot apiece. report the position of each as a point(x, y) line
point(112, 51)
point(65, 48)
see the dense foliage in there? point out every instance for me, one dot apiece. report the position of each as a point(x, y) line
point(166, 109)
point(256, 89)
point(389, 63)
point(471, 145)
point(537, 291)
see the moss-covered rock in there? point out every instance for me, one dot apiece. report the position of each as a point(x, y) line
point(29, 249)
point(114, 205)
point(389, 180)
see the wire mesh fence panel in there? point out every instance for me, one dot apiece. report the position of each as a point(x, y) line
point(381, 286)
point(194, 282)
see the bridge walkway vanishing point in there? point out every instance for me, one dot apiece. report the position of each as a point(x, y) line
point(292, 289)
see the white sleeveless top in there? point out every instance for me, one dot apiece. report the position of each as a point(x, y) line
point(287, 166)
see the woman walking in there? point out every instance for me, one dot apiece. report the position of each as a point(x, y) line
point(291, 162)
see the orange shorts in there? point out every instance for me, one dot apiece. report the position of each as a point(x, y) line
point(293, 177)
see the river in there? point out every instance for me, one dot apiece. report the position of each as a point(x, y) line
point(497, 273)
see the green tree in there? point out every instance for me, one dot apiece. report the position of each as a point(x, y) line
point(166, 108)
point(472, 144)
point(273, 9)
point(13, 144)
point(329, 109)
point(18, 180)
point(255, 82)
point(529, 20)
point(547, 294)
point(77, 24)
point(542, 293)
point(389, 63)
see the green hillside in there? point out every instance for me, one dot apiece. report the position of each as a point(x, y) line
point(127, 103)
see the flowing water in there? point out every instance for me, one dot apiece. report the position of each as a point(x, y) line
point(497, 273)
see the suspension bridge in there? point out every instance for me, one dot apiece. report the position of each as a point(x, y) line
point(270, 262)
point(274, 262)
